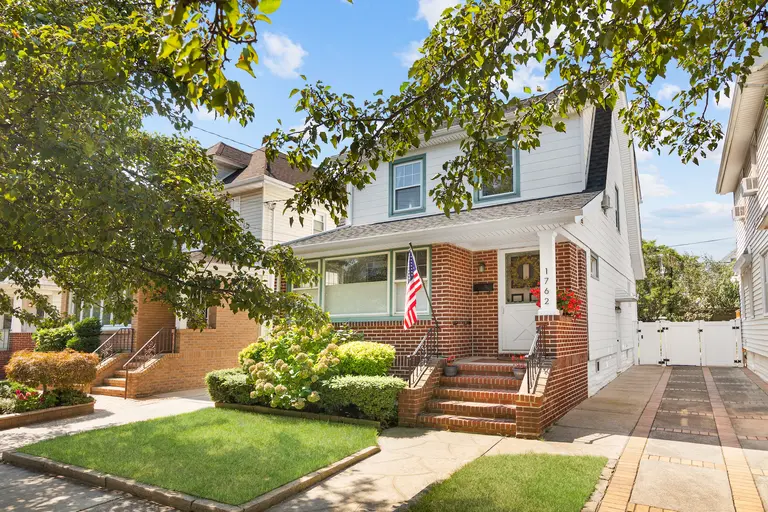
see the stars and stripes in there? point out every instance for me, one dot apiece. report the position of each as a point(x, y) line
point(413, 284)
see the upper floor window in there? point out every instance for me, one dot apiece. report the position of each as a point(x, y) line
point(319, 224)
point(594, 266)
point(407, 182)
point(502, 186)
point(618, 210)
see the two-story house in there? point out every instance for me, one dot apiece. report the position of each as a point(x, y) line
point(566, 216)
point(744, 173)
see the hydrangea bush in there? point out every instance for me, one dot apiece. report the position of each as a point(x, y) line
point(288, 367)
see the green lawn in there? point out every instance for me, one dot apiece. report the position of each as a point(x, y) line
point(516, 483)
point(224, 455)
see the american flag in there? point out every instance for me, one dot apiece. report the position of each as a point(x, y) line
point(412, 286)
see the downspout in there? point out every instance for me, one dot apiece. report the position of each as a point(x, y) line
point(272, 206)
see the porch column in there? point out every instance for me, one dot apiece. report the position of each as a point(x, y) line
point(16, 325)
point(547, 273)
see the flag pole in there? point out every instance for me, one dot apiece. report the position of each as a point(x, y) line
point(427, 293)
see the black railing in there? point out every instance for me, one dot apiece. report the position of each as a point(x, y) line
point(162, 342)
point(535, 360)
point(120, 341)
point(414, 365)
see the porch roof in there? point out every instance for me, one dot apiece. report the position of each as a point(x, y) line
point(543, 211)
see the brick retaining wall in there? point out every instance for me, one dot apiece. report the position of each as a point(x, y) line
point(18, 341)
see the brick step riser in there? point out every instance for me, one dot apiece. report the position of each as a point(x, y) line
point(476, 395)
point(491, 411)
point(499, 371)
point(473, 425)
point(119, 374)
point(108, 392)
point(115, 381)
point(481, 382)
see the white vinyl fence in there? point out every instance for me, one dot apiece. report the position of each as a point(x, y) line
point(696, 343)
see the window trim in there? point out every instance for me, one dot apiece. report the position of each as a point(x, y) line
point(618, 211)
point(79, 317)
point(321, 218)
point(410, 211)
point(390, 316)
point(479, 198)
point(596, 275)
point(426, 279)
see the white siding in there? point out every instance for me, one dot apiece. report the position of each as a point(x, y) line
point(252, 211)
point(557, 167)
point(748, 237)
point(598, 233)
point(276, 225)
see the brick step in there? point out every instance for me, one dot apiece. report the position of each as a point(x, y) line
point(493, 396)
point(502, 427)
point(477, 409)
point(504, 369)
point(481, 382)
point(118, 382)
point(119, 374)
point(108, 391)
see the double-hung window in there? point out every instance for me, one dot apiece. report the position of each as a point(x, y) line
point(312, 288)
point(356, 286)
point(407, 182)
point(319, 224)
point(81, 310)
point(502, 186)
point(594, 266)
point(401, 260)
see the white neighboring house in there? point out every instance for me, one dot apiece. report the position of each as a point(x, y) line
point(579, 190)
point(744, 173)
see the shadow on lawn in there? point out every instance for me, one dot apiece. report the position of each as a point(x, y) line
point(18, 437)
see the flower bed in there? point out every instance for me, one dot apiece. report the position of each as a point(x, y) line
point(42, 415)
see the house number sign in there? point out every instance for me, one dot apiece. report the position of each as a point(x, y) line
point(547, 294)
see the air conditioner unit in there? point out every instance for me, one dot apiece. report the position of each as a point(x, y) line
point(749, 186)
point(739, 212)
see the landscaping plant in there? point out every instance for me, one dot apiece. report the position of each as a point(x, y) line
point(87, 335)
point(374, 397)
point(365, 358)
point(54, 339)
point(66, 369)
point(567, 301)
point(16, 398)
point(232, 386)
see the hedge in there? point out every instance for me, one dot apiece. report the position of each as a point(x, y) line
point(64, 369)
point(230, 386)
point(375, 397)
point(366, 358)
point(87, 332)
point(54, 339)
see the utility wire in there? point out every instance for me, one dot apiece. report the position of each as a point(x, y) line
point(223, 137)
point(702, 242)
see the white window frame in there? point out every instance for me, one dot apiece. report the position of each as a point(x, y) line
point(425, 280)
point(351, 256)
point(5, 335)
point(320, 217)
point(303, 287)
point(72, 308)
point(596, 274)
point(511, 154)
point(419, 185)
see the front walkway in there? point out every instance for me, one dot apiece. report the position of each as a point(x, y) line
point(701, 444)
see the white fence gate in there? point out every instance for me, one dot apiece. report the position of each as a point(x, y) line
point(696, 343)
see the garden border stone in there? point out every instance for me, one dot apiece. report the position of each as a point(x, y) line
point(298, 414)
point(21, 419)
point(180, 500)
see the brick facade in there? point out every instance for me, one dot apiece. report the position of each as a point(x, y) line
point(412, 401)
point(18, 341)
point(150, 317)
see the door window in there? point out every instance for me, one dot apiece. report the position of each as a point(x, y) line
point(521, 274)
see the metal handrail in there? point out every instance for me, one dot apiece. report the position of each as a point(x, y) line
point(534, 361)
point(162, 342)
point(417, 363)
point(116, 343)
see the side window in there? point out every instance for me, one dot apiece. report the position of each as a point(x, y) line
point(503, 185)
point(407, 185)
point(313, 287)
point(319, 224)
point(594, 265)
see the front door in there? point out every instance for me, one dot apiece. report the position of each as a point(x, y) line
point(518, 273)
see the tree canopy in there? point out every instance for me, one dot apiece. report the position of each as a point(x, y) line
point(597, 49)
point(683, 287)
point(95, 203)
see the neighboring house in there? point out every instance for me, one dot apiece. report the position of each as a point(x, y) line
point(166, 355)
point(744, 173)
point(568, 210)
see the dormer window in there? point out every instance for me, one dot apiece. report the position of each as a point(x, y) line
point(319, 224)
point(407, 184)
point(502, 186)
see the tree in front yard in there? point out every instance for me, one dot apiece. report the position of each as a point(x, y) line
point(100, 206)
point(682, 287)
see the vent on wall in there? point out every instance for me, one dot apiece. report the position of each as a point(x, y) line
point(749, 186)
point(739, 212)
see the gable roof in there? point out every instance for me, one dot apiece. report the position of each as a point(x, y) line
point(253, 165)
point(597, 173)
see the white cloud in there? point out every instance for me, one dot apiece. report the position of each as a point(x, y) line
point(652, 185)
point(410, 55)
point(284, 57)
point(430, 10)
point(698, 210)
point(725, 101)
point(531, 75)
point(668, 91)
point(642, 155)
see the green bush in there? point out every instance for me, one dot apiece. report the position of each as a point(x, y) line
point(53, 340)
point(230, 386)
point(251, 354)
point(366, 358)
point(87, 332)
point(374, 397)
point(70, 397)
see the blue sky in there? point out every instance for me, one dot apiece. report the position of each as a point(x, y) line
point(366, 46)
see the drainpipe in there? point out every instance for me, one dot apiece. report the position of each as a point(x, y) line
point(272, 206)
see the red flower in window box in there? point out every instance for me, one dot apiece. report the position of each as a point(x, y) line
point(567, 301)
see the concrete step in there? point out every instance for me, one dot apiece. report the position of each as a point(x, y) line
point(500, 368)
point(118, 382)
point(476, 409)
point(108, 391)
point(493, 396)
point(481, 382)
point(502, 427)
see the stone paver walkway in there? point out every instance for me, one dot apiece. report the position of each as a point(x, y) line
point(26, 490)
point(697, 447)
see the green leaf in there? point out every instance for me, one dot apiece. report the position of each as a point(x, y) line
point(269, 6)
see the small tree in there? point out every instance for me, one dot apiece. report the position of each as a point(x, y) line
point(66, 369)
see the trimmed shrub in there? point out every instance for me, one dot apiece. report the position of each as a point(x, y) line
point(52, 369)
point(366, 358)
point(53, 340)
point(87, 332)
point(374, 397)
point(231, 386)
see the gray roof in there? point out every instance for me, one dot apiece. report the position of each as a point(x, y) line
point(516, 210)
point(255, 164)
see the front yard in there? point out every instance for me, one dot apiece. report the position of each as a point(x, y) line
point(223, 455)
